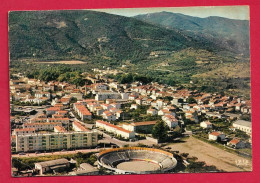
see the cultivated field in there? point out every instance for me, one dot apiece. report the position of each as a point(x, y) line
point(70, 62)
point(212, 155)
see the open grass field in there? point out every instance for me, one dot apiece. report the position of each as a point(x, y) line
point(212, 155)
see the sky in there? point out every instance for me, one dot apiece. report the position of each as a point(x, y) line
point(232, 12)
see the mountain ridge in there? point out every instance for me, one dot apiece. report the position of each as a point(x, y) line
point(229, 34)
point(84, 34)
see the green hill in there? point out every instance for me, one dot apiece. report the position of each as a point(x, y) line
point(229, 34)
point(174, 49)
point(86, 34)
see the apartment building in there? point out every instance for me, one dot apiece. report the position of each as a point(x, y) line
point(82, 111)
point(42, 126)
point(55, 141)
point(115, 129)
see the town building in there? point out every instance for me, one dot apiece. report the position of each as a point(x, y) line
point(216, 136)
point(236, 143)
point(107, 95)
point(245, 126)
point(55, 141)
point(79, 127)
point(115, 129)
point(170, 120)
point(59, 129)
point(42, 126)
point(206, 124)
point(23, 131)
point(53, 165)
point(82, 111)
point(142, 127)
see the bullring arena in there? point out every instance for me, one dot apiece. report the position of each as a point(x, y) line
point(136, 160)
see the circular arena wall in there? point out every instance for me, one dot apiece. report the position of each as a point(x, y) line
point(136, 160)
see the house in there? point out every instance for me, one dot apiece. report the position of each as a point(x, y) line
point(82, 111)
point(170, 120)
point(165, 112)
point(216, 136)
point(206, 124)
point(236, 143)
point(152, 112)
point(108, 116)
point(52, 110)
point(133, 106)
point(64, 121)
point(139, 101)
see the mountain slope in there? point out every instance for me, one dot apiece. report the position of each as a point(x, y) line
point(86, 34)
point(229, 34)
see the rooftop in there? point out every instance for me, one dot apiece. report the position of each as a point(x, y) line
point(243, 123)
point(144, 123)
point(53, 162)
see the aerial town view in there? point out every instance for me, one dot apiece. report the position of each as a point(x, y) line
point(130, 91)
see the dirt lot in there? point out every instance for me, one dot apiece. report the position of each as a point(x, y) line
point(212, 155)
point(71, 62)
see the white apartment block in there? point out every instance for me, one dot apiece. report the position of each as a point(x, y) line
point(108, 95)
point(55, 141)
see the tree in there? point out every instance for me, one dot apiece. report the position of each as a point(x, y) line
point(73, 100)
point(160, 131)
point(191, 100)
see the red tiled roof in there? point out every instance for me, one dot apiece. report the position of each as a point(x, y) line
point(81, 127)
point(53, 109)
point(234, 141)
point(83, 110)
point(24, 129)
point(60, 128)
point(47, 123)
point(61, 119)
point(143, 123)
point(215, 133)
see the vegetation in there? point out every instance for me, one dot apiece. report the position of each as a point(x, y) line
point(189, 58)
point(160, 131)
point(28, 162)
point(210, 29)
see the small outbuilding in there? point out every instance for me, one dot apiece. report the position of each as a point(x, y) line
point(53, 165)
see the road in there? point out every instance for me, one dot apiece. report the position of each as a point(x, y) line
point(212, 155)
point(57, 153)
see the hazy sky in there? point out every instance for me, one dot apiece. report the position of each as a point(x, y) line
point(233, 12)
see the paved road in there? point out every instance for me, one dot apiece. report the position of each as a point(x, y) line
point(57, 153)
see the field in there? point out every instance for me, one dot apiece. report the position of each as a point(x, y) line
point(70, 62)
point(213, 155)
